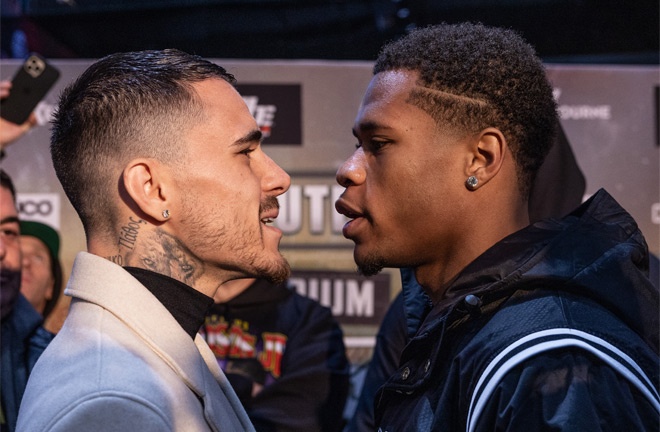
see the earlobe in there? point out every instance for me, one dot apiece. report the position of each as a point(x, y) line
point(144, 185)
point(486, 158)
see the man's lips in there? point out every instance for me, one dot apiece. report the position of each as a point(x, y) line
point(347, 209)
point(269, 210)
point(269, 216)
point(356, 217)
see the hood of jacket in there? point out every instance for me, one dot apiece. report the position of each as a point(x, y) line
point(597, 252)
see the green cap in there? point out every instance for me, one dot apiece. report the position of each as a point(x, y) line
point(44, 233)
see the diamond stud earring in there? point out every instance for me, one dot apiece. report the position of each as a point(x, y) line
point(472, 182)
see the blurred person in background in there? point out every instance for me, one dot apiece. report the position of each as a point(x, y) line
point(10, 132)
point(282, 352)
point(22, 337)
point(41, 281)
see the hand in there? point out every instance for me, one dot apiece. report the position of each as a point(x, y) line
point(10, 132)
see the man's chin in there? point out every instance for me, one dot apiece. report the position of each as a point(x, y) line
point(369, 265)
point(278, 277)
point(278, 272)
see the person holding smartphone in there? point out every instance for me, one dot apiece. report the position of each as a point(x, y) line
point(10, 132)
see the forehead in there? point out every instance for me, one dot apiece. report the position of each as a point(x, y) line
point(390, 86)
point(7, 206)
point(223, 106)
point(387, 97)
point(33, 244)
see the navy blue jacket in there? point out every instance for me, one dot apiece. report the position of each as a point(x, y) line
point(22, 341)
point(553, 328)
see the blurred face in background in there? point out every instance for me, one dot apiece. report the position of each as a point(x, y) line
point(10, 252)
point(37, 280)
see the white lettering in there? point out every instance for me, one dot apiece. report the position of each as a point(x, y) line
point(317, 195)
point(338, 304)
point(655, 213)
point(299, 285)
point(585, 112)
point(251, 102)
point(290, 217)
point(321, 201)
point(265, 114)
point(556, 93)
point(338, 220)
point(343, 297)
point(326, 293)
point(359, 300)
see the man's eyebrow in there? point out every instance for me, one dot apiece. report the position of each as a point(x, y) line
point(250, 137)
point(9, 219)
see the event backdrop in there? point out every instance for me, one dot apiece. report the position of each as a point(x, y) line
point(306, 109)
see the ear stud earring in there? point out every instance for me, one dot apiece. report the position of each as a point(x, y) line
point(166, 214)
point(471, 182)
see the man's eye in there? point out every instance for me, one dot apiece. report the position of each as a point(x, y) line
point(374, 146)
point(9, 233)
point(247, 151)
point(36, 258)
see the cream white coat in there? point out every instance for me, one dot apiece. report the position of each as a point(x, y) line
point(122, 363)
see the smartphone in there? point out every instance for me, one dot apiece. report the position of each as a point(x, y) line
point(29, 85)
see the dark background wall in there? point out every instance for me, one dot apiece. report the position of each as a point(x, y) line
point(567, 31)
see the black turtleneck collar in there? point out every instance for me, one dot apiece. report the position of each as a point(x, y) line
point(187, 305)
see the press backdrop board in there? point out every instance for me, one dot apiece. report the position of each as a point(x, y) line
point(609, 114)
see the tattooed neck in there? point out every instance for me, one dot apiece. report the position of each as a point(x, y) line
point(155, 250)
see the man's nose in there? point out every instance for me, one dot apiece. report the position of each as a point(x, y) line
point(352, 172)
point(276, 181)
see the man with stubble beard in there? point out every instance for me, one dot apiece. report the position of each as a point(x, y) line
point(162, 161)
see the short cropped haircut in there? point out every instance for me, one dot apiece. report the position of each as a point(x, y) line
point(124, 106)
point(482, 77)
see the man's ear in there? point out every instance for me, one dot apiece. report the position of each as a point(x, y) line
point(146, 183)
point(487, 156)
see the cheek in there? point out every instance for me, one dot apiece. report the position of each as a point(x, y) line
point(12, 259)
point(45, 277)
point(241, 187)
point(403, 189)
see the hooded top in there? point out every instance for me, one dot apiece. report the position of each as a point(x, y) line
point(557, 297)
point(597, 252)
point(284, 355)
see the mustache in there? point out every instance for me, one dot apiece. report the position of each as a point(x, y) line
point(269, 203)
